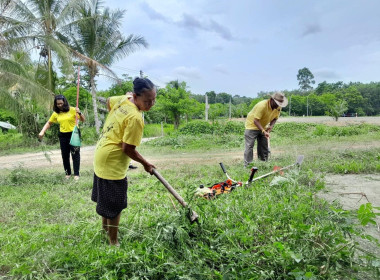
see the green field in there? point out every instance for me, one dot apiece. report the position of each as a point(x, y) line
point(277, 228)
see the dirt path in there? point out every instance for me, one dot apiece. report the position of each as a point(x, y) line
point(53, 158)
point(353, 190)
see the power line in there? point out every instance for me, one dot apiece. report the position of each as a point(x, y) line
point(135, 71)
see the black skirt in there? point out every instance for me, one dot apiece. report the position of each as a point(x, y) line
point(110, 196)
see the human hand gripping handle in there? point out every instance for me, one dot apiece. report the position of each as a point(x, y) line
point(149, 167)
point(266, 134)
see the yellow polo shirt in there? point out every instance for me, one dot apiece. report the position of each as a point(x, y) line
point(264, 113)
point(66, 120)
point(123, 124)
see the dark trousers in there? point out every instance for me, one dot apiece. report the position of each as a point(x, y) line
point(66, 149)
point(262, 145)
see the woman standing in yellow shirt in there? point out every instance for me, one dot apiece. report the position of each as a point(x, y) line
point(122, 132)
point(65, 116)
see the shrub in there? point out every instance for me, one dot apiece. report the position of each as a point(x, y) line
point(88, 135)
point(6, 116)
point(203, 127)
point(10, 139)
point(197, 127)
point(155, 130)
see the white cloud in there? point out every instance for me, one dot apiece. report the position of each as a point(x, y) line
point(188, 72)
point(325, 74)
point(260, 44)
point(221, 69)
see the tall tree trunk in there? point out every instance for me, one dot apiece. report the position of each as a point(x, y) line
point(94, 104)
point(50, 70)
point(176, 122)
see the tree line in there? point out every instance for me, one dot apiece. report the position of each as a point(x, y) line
point(67, 34)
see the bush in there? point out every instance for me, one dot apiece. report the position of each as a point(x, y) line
point(292, 129)
point(10, 139)
point(6, 116)
point(89, 135)
point(197, 127)
point(154, 130)
point(203, 127)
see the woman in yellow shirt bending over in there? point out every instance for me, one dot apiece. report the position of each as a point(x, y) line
point(65, 115)
point(122, 132)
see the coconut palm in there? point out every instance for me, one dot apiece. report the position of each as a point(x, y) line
point(39, 25)
point(97, 37)
point(20, 94)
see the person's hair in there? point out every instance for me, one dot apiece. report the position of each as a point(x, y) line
point(66, 106)
point(141, 85)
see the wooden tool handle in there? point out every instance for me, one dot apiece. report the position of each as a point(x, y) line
point(170, 188)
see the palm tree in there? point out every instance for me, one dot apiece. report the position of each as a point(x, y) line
point(97, 37)
point(40, 25)
point(20, 94)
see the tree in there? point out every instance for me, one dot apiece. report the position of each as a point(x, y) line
point(305, 78)
point(337, 109)
point(354, 99)
point(211, 96)
point(39, 26)
point(20, 94)
point(241, 110)
point(174, 100)
point(98, 38)
point(223, 98)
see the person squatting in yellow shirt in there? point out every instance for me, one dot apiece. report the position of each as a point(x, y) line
point(65, 116)
point(122, 133)
point(259, 124)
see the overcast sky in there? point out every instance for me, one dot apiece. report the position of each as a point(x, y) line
point(247, 46)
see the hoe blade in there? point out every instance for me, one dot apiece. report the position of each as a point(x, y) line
point(299, 159)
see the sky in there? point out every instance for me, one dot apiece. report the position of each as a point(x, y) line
point(243, 47)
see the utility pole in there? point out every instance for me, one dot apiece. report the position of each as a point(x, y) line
point(229, 115)
point(141, 74)
point(207, 106)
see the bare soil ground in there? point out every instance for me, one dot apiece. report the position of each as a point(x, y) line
point(354, 190)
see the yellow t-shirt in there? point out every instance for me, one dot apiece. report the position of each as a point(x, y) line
point(114, 99)
point(66, 120)
point(264, 113)
point(123, 124)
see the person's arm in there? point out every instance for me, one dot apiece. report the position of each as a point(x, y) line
point(260, 127)
point(46, 127)
point(81, 116)
point(271, 125)
point(131, 151)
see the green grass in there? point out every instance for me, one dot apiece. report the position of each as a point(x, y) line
point(275, 229)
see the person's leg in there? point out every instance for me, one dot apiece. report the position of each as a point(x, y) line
point(105, 224)
point(113, 227)
point(250, 136)
point(75, 154)
point(262, 147)
point(65, 152)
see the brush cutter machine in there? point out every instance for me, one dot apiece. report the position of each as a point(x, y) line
point(229, 185)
